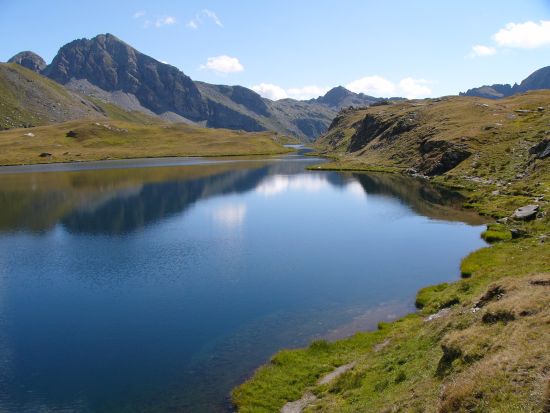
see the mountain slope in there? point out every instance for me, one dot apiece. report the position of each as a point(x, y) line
point(29, 99)
point(540, 79)
point(453, 135)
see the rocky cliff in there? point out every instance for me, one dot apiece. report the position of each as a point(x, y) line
point(112, 65)
point(537, 80)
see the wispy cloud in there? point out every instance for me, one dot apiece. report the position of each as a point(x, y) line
point(480, 50)
point(160, 22)
point(200, 18)
point(223, 64)
point(139, 14)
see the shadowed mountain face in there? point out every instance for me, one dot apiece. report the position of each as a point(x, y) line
point(30, 60)
point(539, 79)
point(107, 62)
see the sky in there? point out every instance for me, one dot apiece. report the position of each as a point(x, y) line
point(302, 48)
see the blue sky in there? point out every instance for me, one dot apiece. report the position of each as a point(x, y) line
point(301, 48)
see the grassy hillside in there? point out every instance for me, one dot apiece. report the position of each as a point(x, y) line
point(479, 344)
point(86, 140)
point(29, 99)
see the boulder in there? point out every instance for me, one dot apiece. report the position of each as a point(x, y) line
point(541, 150)
point(45, 155)
point(526, 213)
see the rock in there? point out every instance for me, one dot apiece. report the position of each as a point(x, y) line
point(541, 150)
point(441, 313)
point(71, 134)
point(30, 134)
point(30, 60)
point(526, 213)
point(45, 155)
point(336, 373)
point(540, 109)
point(517, 233)
point(299, 405)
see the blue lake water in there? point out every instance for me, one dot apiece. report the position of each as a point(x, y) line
point(155, 286)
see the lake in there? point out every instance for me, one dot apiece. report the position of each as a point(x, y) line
point(159, 285)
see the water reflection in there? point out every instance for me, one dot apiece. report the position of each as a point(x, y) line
point(159, 289)
point(122, 200)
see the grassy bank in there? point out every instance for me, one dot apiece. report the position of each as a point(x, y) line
point(472, 357)
point(478, 344)
point(87, 140)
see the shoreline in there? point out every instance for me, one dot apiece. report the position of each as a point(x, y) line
point(433, 302)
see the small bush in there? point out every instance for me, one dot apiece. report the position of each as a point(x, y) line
point(319, 345)
point(401, 377)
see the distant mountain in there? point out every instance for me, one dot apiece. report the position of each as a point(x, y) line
point(108, 69)
point(30, 60)
point(237, 107)
point(339, 97)
point(539, 79)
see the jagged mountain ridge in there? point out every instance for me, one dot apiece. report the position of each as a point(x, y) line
point(107, 68)
point(539, 79)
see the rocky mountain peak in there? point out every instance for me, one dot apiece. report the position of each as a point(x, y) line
point(30, 60)
point(112, 65)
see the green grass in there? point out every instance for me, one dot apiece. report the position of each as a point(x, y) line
point(496, 233)
point(487, 352)
point(422, 358)
point(101, 139)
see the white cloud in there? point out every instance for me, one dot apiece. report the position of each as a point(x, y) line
point(372, 85)
point(528, 35)
point(230, 215)
point(482, 51)
point(139, 14)
point(270, 91)
point(201, 16)
point(306, 92)
point(414, 88)
point(274, 92)
point(278, 184)
point(381, 87)
point(223, 64)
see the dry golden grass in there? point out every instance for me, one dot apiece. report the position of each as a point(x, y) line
point(99, 140)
